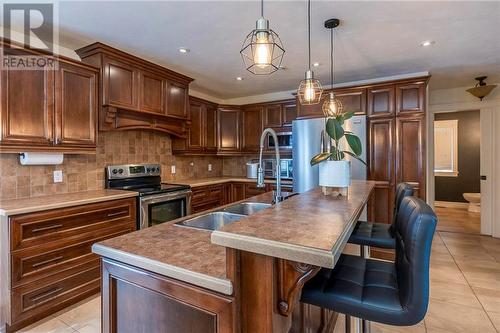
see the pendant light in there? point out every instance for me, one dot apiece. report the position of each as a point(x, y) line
point(262, 50)
point(310, 89)
point(332, 106)
point(481, 89)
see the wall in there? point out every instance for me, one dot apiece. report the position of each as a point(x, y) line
point(469, 138)
point(86, 172)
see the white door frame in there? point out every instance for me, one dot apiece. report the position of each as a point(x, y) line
point(490, 158)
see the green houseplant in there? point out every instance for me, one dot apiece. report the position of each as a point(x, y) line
point(334, 169)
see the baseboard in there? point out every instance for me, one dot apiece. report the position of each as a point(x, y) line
point(451, 204)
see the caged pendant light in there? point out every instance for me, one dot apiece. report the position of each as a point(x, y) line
point(262, 50)
point(310, 89)
point(332, 106)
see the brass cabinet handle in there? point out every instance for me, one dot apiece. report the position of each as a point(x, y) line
point(45, 262)
point(117, 213)
point(57, 141)
point(55, 226)
point(41, 296)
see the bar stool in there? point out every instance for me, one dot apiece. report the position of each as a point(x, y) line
point(393, 293)
point(380, 234)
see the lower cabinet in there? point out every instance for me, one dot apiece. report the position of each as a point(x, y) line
point(134, 300)
point(51, 261)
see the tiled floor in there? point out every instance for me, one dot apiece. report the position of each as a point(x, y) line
point(465, 293)
point(458, 220)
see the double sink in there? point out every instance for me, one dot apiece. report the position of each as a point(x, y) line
point(218, 219)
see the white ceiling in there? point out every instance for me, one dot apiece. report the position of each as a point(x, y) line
point(376, 39)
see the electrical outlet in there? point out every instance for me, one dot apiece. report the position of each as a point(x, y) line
point(172, 169)
point(58, 176)
point(209, 167)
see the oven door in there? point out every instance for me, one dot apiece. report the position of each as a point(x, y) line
point(161, 208)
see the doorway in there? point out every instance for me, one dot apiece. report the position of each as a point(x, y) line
point(457, 171)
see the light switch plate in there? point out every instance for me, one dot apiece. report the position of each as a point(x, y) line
point(172, 169)
point(210, 167)
point(58, 176)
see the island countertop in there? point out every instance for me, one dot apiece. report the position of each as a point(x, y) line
point(309, 228)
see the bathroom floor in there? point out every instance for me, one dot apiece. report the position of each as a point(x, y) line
point(464, 293)
point(458, 220)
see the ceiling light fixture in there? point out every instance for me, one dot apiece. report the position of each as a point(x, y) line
point(332, 106)
point(310, 89)
point(316, 64)
point(481, 89)
point(184, 50)
point(262, 50)
point(427, 43)
point(239, 78)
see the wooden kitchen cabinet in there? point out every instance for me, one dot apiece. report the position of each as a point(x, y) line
point(381, 101)
point(211, 128)
point(273, 115)
point(353, 99)
point(251, 128)
point(51, 262)
point(138, 94)
point(289, 112)
point(228, 133)
point(237, 192)
point(49, 110)
point(410, 98)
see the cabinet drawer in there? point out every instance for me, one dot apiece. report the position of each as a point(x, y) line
point(205, 206)
point(35, 263)
point(40, 228)
point(39, 299)
point(200, 194)
point(216, 193)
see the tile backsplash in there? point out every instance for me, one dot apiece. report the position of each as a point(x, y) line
point(86, 172)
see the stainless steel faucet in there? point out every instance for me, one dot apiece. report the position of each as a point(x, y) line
point(260, 171)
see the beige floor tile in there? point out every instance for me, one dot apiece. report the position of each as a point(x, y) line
point(50, 325)
point(455, 293)
point(483, 278)
point(490, 299)
point(456, 318)
point(495, 318)
point(83, 315)
point(447, 272)
point(92, 327)
point(380, 328)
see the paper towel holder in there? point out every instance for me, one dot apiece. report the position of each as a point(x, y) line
point(30, 158)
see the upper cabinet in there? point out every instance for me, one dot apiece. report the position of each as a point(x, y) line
point(49, 110)
point(289, 112)
point(410, 98)
point(353, 99)
point(228, 133)
point(251, 128)
point(381, 101)
point(137, 94)
point(273, 115)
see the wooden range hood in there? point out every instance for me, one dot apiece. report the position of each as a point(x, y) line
point(138, 94)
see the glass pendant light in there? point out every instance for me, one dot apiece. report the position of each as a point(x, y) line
point(310, 89)
point(262, 50)
point(332, 106)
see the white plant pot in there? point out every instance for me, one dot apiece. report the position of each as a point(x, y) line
point(335, 173)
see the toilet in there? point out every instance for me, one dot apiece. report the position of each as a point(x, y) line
point(474, 200)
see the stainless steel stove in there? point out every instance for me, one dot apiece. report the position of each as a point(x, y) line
point(158, 202)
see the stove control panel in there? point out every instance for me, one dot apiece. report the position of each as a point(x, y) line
point(132, 171)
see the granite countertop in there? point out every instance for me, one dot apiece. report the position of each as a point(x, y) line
point(36, 204)
point(224, 179)
point(309, 228)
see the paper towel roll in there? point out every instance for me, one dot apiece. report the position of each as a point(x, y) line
point(41, 158)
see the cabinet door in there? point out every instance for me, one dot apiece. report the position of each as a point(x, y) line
point(311, 111)
point(195, 137)
point(251, 128)
point(273, 115)
point(410, 98)
point(381, 167)
point(410, 152)
point(76, 106)
point(211, 128)
point(238, 191)
point(27, 113)
point(120, 85)
point(352, 100)
point(381, 101)
point(228, 130)
point(289, 113)
point(152, 93)
point(177, 99)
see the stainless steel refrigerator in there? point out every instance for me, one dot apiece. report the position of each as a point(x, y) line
point(307, 142)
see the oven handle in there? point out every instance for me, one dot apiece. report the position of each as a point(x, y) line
point(164, 197)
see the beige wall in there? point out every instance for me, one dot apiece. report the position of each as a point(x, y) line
point(86, 172)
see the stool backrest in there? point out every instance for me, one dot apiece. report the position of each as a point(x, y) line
point(402, 190)
point(414, 232)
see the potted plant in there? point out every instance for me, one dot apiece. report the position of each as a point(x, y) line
point(334, 169)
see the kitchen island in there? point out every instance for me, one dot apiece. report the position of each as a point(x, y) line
point(244, 277)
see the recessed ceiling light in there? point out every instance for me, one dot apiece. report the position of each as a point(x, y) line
point(427, 43)
point(239, 78)
point(316, 64)
point(184, 50)
point(282, 68)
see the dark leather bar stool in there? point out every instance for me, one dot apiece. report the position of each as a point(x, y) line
point(385, 292)
point(380, 234)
